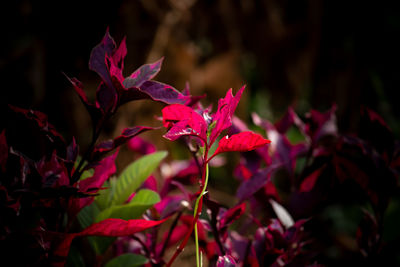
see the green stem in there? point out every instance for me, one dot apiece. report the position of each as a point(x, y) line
point(196, 206)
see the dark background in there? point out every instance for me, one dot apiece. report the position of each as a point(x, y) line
point(308, 54)
point(305, 54)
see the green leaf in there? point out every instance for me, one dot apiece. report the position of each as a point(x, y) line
point(134, 175)
point(143, 200)
point(103, 200)
point(127, 260)
point(87, 214)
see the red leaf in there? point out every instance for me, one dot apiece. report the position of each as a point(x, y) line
point(241, 142)
point(224, 114)
point(108, 227)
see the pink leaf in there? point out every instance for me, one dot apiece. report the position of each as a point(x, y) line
point(241, 142)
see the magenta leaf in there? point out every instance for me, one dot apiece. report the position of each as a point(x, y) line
point(224, 114)
point(126, 134)
point(141, 146)
point(184, 121)
point(226, 261)
point(3, 151)
point(143, 74)
point(241, 142)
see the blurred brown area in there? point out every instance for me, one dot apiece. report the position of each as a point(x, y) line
point(304, 53)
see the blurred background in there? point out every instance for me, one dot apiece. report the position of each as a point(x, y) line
point(307, 54)
point(303, 53)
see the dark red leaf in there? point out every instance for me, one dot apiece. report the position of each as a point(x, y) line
point(320, 124)
point(308, 183)
point(110, 145)
point(232, 215)
point(91, 185)
point(3, 151)
point(41, 120)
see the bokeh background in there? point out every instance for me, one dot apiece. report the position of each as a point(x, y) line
point(307, 54)
point(303, 53)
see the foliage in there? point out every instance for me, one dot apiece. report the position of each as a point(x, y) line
point(306, 196)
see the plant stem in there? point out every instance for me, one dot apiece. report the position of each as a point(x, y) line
point(195, 213)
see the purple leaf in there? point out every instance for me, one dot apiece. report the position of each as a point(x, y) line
point(289, 119)
point(282, 151)
point(97, 61)
point(143, 74)
point(163, 93)
point(107, 98)
point(320, 124)
point(255, 183)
